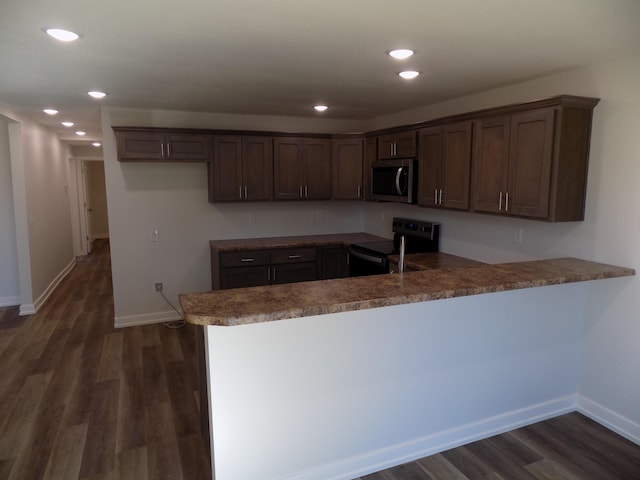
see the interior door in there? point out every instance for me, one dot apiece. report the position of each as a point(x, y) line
point(86, 211)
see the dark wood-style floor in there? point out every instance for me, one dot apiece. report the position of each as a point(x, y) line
point(82, 400)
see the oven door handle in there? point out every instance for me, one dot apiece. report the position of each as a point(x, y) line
point(367, 258)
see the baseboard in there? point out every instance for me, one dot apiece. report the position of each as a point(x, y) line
point(32, 308)
point(146, 319)
point(609, 419)
point(438, 442)
point(27, 309)
point(9, 301)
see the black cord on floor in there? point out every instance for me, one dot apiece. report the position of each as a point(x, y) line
point(175, 323)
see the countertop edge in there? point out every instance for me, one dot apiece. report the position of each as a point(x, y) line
point(324, 297)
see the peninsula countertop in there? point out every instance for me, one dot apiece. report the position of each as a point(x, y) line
point(277, 302)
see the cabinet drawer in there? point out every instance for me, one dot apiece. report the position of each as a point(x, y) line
point(293, 255)
point(244, 258)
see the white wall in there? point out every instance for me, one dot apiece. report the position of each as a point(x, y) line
point(609, 234)
point(342, 395)
point(39, 171)
point(172, 198)
point(9, 280)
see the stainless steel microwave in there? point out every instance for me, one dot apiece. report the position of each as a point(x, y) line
point(394, 180)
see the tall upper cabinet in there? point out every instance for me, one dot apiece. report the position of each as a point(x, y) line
point(242, 168)
point(444, 155)
point(346, 168)
point(302, 168)
point(532, 162)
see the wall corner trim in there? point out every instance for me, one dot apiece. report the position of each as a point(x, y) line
point(608, 418)
point(30, 309)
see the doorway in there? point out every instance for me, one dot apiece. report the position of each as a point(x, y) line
point(90, 210)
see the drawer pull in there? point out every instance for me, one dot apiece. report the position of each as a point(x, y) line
point(246, 259)
point(291, 257)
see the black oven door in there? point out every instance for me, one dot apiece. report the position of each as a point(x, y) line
point(365, 263)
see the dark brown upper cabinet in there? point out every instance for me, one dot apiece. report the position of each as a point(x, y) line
point(444, 169)
point(302, 168)
point(397, 145)
point(346, 168)
point(242, 169)
point(533, 163)
point(155, 145)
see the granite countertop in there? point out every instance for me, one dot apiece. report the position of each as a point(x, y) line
point(276, 302)
point(432, 260)
point(295, 241)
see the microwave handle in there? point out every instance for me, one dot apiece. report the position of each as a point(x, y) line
point(398, 174)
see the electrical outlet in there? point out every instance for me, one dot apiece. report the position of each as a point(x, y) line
point(155, 236)
point(517, 235)
point(158, 287)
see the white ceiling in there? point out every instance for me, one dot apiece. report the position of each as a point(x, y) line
point(279, 57)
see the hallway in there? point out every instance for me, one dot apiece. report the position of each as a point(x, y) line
point(82, 400)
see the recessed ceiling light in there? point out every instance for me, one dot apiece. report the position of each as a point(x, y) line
point(320, 108)
point(67, 124)
point(401, 53)
point(97, 94)
point(62, 35)
point(50, 111)
point(96, 144)
point(81, 133)
point(409, 74)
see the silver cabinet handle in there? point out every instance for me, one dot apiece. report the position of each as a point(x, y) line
point(359, 191)
point(274, 274)
point(306, 191)
point(295, 256)
point(168, 149)
point(240, 191)
point(435, 196)
point(440, 199)
point(500, 203)
point(269, 274)
point(248, 259)
point(506, 206)
point(245, 192)
point(300, 191)
point(162, 150)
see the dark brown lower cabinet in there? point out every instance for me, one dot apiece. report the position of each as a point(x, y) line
point(333, 262)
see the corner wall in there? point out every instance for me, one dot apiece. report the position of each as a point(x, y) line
point(39, 176)
point(9, 279)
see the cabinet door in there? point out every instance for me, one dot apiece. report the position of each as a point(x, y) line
point(405, 144)
point(293, 272)
point(241, 277)
point(225, 179)
point(386, 146)
point(188, 147)
point(317, 169)
point(333, 262)
point(490, 164)
point(257, 153)
point(456, 166)
point(370, 155)
point(346, 169)
point(137, 146)
point(530, 156)
point(430, 156)
point(287, 168)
